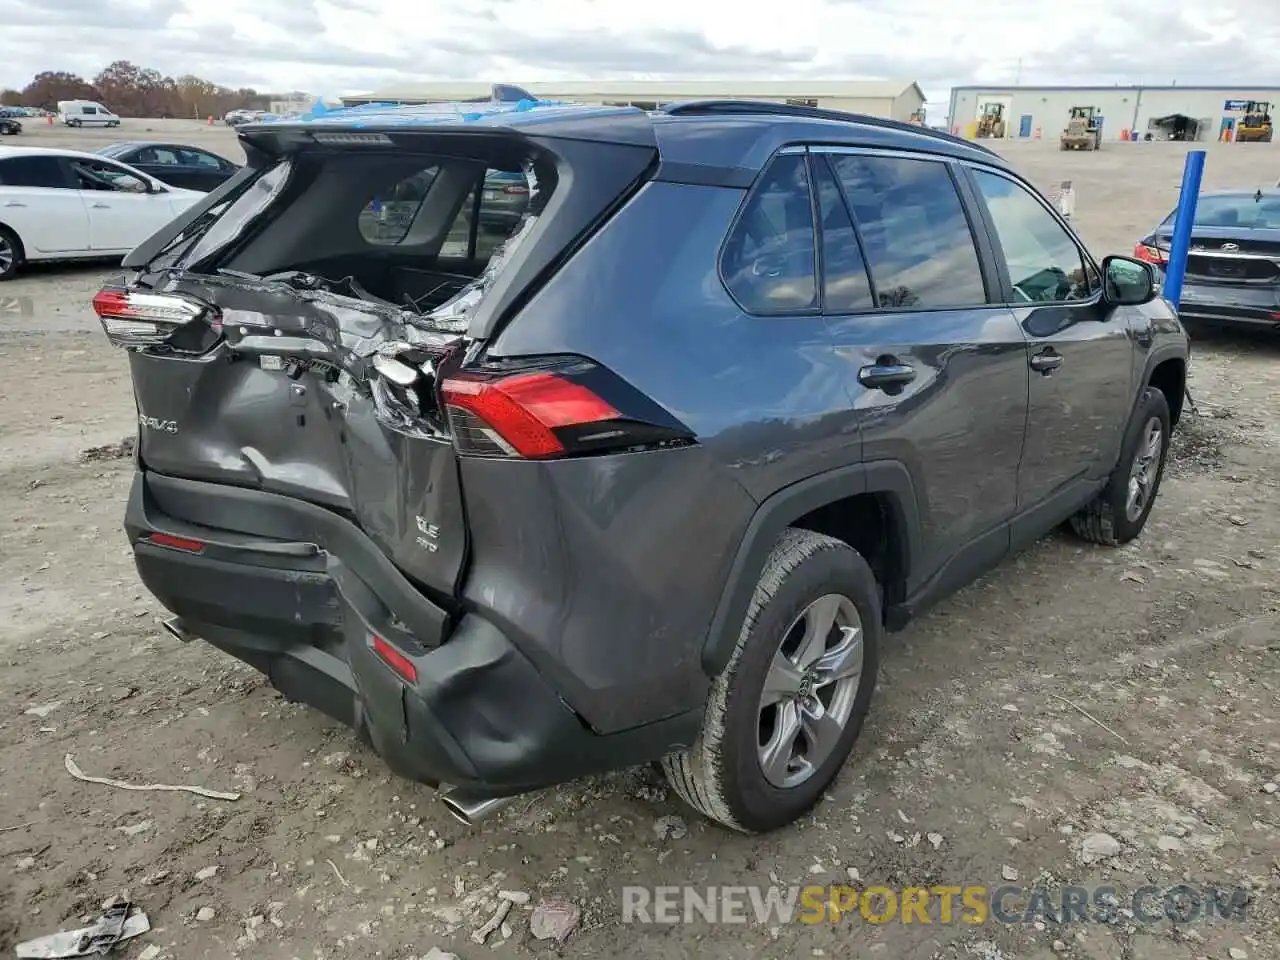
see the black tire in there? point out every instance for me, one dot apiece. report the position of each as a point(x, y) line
point(721, 775)
point(1107, 519)
point(9, 265)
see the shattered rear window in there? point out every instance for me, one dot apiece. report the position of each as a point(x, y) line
point(241, 212)
point(423, 232)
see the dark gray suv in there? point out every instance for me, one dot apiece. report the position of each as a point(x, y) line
point(647, 476)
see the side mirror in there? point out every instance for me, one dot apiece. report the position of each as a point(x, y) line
point(1128, 282)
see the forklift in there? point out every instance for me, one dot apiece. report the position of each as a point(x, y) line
point(991, 123)
point(1256, 126)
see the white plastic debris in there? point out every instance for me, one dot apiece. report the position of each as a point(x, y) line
point(113, 926)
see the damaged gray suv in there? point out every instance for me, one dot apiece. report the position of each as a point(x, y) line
point(637, 461)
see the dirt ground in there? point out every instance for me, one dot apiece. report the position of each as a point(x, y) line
point(978, 741)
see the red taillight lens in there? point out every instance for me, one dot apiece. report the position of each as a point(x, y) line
point(513, 188)
point(1149, 254)
point(134, 318)
point(519, 415)
point(185, 544)
point(111, 303)
point(394, 659)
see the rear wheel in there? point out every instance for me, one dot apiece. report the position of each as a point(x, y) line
point(1119, 513)
point(784, 714)
point(10, 253)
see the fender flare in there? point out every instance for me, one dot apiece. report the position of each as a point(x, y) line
point(781, 509)
point(1156, 357)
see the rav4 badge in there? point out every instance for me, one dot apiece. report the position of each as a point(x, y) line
point(155, 423)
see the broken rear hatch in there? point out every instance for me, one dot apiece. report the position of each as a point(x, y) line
point(288, 333)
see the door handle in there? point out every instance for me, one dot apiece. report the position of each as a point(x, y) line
point(1046, 362)
point(15, 203)
point(102, 206)
point(887, 374)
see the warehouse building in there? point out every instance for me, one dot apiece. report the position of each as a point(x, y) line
point(898, 99)
point(1183, 113)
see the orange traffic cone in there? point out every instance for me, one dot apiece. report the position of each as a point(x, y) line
point(211, 121)
point(50, 119)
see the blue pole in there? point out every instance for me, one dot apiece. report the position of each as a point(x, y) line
point(1182, 221)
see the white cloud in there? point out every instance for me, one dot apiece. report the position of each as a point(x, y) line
point(330, 47)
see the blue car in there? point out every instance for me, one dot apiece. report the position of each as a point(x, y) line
point(1233, 267)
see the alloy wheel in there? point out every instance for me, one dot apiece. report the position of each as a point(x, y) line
point(1146, 463)
point(810, 690)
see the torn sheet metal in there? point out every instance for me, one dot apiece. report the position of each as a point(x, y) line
point(117, 923)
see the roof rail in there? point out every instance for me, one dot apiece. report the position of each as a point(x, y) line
point(695, 107)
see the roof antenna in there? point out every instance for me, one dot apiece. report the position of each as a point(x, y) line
point(1257, 197)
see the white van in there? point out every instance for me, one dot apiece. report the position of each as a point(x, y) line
point(83, 113)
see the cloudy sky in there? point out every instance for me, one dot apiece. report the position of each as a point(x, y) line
point(331, 47)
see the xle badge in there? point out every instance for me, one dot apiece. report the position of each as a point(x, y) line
point(428, 534)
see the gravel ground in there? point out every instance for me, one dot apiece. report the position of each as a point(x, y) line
point(1080, 716)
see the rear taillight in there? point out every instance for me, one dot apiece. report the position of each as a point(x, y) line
point(1150, 253)
point(134, 319)
point(564, 411)
point(515, 188)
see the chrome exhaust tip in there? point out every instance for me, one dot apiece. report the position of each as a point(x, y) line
point(176, 630)
point(471, 808)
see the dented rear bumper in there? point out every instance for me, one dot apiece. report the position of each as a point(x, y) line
point(299, 593)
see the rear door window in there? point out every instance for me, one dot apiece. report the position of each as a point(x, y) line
point(198, 158)
point(768, 262)
point(33, 172)
point(157, 155)
point(915, 234)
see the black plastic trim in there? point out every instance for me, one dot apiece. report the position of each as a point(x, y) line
point(155, 498)
point(1159, 355)
point(703, 175)
point(783, 508)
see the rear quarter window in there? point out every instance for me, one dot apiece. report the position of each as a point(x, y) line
point(387, 217)
point(768, 263)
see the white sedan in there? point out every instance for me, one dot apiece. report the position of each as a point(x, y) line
point(68, 205)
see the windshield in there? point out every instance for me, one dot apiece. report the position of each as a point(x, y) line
point(1244, 211)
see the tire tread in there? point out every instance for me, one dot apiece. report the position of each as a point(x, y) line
point(696, 774)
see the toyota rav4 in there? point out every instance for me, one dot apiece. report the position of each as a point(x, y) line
point(645, 475)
